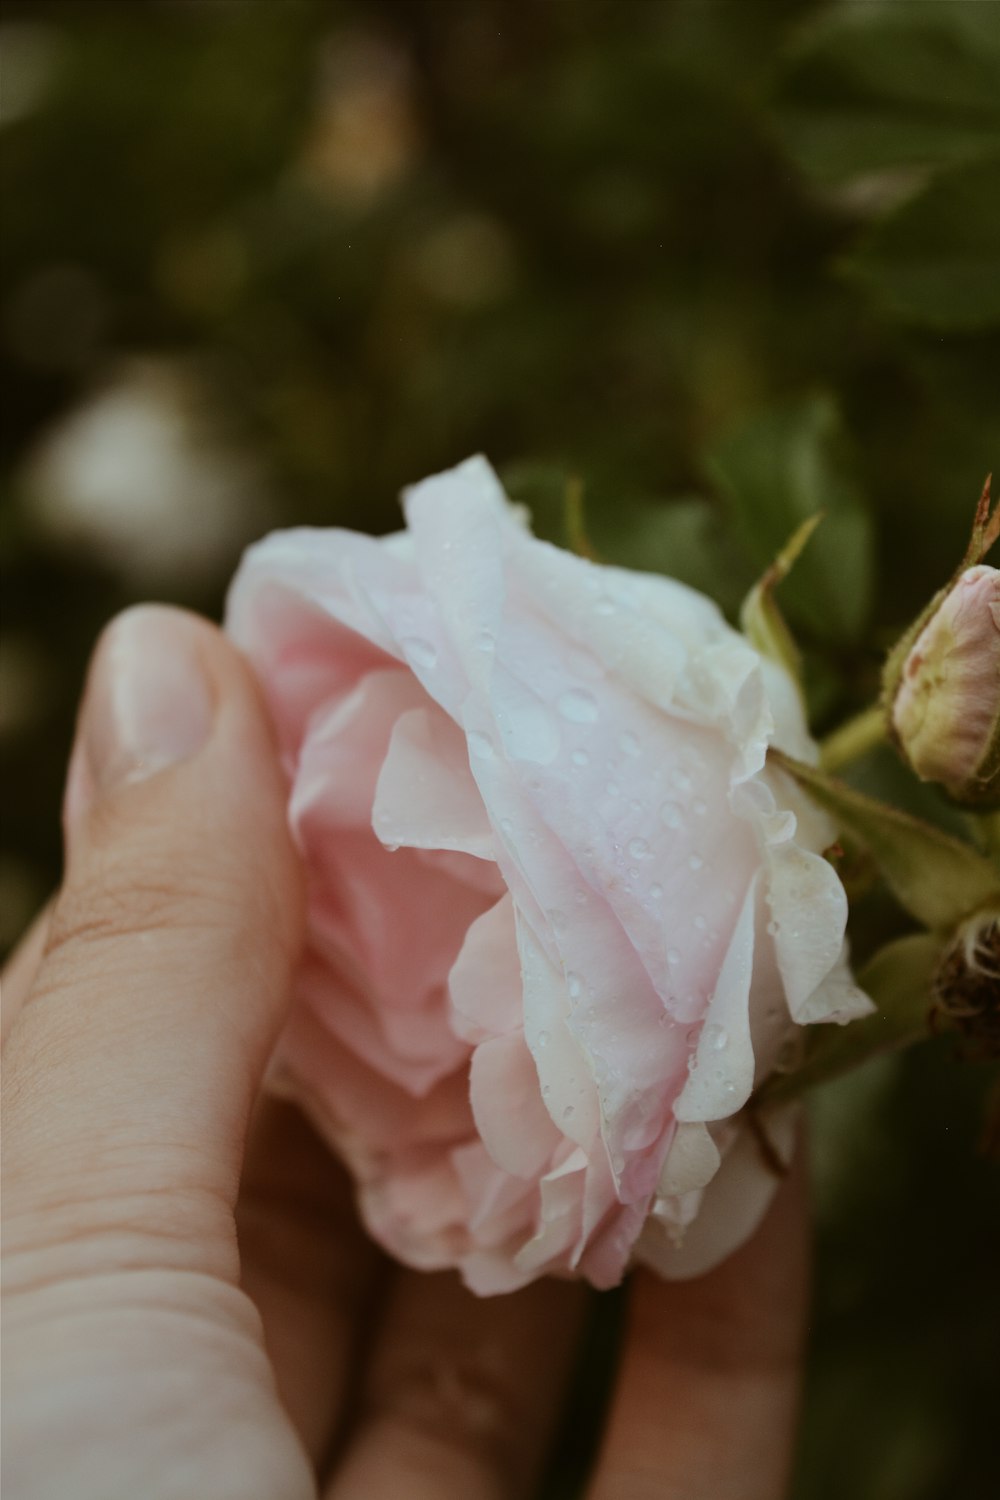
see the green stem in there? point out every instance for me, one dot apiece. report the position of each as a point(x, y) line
point(853, 739)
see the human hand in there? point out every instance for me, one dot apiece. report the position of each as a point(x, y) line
point(191, 1309)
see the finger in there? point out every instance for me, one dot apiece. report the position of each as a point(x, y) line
point(307, 1264)
point(461, 1393)
point(706, 1401)
point(133, 1063)
point(21, 968)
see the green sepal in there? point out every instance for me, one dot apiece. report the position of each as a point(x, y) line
point(935, 877)
point(761, 620)
point(575, 520)
point(898, 979)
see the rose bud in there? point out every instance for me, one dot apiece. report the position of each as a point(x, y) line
point(562, 917)
point(946, 709)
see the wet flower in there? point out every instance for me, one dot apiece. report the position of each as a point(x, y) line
point(562, 916)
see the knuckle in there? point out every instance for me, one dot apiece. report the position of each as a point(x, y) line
point(138, 895)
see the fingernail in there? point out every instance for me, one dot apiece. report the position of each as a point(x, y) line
point(148, 704)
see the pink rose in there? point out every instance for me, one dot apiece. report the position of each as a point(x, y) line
point(560, 915)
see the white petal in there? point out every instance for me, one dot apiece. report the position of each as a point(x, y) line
point(809, 907)
point(692, 1161)
point(730, 1207)
point(722, 1077)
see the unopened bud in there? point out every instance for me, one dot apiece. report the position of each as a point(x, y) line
point(946, 707)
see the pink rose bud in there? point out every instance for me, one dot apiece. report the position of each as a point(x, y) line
point(946, 712)
point(563, 916)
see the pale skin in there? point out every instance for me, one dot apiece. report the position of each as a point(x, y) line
point(190, 1306)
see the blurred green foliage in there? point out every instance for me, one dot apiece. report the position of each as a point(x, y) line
point(725, 261)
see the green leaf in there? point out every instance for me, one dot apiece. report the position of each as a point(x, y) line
point(935, 260)
point(936, 878)
point(898, 980)
point(761, 620)
point(876, 88)
point(775, 471)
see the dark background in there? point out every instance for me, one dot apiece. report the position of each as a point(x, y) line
point(724, 261)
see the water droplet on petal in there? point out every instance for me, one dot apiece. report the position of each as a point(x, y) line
point(681, 781)
point(716, 1037)
point(638, 849)
point(700, 923)
point(486, 641)
point(612, 789)
point(420, 652)
point(628, 744)
point(673, 956)
point(578, 706)
point(580, 897)
point(573, 986)
point(506, 825)
point(480, 744)
point(580, 758)
point(567, 1112)
point(656, 891)
point(543, 1039)
point(695, 861)
point(671, 814)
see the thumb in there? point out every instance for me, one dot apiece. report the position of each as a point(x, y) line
point(141, 1044)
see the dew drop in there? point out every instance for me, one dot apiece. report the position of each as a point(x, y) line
point(699, 922)
point(506, 826)
point(716, 1037)
point(580, 897)
point(635, 805)
point(573, 986)
point(612, 789)
point(671, 814)
point(486, 641)
point(480, 744)
point(578, 706)
point(543, 1039)
point(681, 781)
point(580, 758)
point(695, 861)
point(568, 1112)
point(673, 956)
point(656, 892)
point(628, 744)
point(546, 1090)
point(420, 652)
point(638, 849)
point(772, 927)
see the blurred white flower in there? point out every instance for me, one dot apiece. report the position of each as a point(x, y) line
point(140, 477)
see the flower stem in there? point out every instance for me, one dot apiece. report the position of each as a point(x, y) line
point(853, 739)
